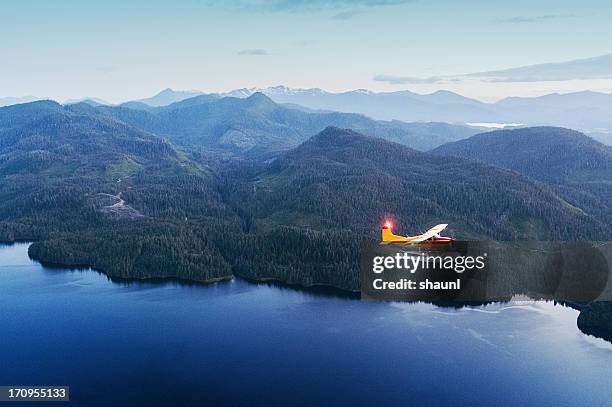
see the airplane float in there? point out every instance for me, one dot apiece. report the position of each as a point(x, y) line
point(431, 238)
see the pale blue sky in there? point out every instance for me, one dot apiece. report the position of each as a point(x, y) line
point(117, 51)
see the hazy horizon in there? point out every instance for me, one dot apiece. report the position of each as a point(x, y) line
point(228, 91)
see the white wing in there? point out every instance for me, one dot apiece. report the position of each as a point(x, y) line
point(429, 234)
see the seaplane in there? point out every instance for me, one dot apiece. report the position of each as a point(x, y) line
point(431, 238)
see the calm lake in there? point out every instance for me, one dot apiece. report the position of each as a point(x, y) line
point(241, 343)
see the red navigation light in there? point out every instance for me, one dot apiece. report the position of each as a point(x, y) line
point(388, 225)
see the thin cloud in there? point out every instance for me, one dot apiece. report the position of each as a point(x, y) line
point(579, 69)
point(253, 52)
point(533, 19)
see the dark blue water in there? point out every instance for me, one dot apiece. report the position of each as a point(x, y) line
point(239, 343)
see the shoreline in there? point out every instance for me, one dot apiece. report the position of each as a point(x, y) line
point(319, 289)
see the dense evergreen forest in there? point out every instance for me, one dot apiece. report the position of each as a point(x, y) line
point(93, 190)
point(97, 192)
point(336, 189)
point(578, 168)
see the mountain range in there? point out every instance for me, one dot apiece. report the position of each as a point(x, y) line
point(97, 186)
point(256, 124)
point(587, 111)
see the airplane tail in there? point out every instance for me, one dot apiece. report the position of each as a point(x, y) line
point(389, 237)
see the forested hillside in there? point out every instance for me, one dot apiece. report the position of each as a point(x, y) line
point(97, 192)
point(545, 153)
point(576, 166)
point(335, 190)
point(92, 190)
